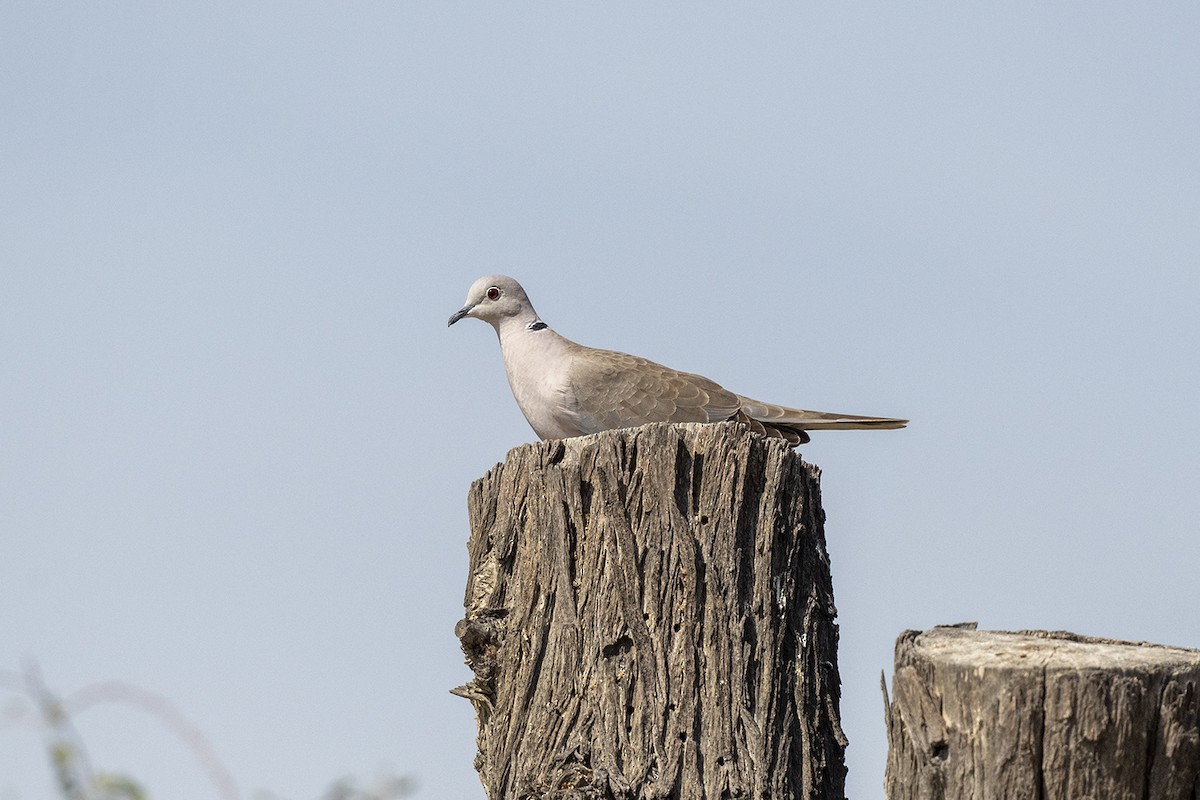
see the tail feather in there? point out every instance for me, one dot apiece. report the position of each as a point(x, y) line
point(797, 420)
point(830, 422)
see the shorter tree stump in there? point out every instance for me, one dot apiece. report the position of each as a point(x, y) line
point(1046, 715)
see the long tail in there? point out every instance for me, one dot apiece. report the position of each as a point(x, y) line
point(791, 423)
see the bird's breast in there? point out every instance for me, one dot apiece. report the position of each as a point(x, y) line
point(539, 376)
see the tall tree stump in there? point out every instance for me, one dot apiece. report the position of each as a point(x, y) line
point(649, 614)
point(991, 714)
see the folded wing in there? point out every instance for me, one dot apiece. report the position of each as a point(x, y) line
point(617, 390)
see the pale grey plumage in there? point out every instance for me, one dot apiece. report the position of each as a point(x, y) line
point(566, 389)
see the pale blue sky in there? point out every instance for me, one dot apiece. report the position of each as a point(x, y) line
point(237, 435)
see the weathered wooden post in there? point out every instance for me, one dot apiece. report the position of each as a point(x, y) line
point(991, 714)
point(649, 614)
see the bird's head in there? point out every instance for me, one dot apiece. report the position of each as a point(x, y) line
point(493, 299)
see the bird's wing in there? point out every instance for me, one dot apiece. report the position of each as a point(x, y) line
point(803, 420)
point(616, 390)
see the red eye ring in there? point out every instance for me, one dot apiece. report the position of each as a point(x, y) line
point(493, 293)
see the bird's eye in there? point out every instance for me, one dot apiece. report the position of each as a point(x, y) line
point(493, 293)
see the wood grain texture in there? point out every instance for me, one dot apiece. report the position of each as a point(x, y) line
point(1040, 715)
point(649, 614)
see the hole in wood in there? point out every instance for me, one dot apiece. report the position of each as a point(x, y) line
point(617, 648)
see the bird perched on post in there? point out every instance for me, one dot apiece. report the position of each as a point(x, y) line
point(566, 389)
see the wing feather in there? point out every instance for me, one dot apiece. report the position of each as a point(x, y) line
point(617, 390)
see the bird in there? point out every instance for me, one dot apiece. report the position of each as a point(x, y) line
point(566, 389)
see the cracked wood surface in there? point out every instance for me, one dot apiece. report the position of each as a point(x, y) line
point(1041, 715)
point(649, 614)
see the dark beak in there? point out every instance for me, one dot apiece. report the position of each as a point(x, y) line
point(457, 315)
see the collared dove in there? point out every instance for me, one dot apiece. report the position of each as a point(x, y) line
point(566, 389)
